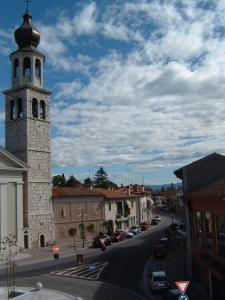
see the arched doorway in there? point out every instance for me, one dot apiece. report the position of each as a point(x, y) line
point(42, 240)
point(26, 243)
point(81, 231)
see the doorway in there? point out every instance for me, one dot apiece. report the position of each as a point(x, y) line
point(42, 240)
point(26, 244)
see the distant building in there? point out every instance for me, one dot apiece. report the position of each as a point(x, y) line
point(204, 200)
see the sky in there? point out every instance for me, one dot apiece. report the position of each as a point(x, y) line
point(138, 86)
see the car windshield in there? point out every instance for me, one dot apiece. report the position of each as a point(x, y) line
point(159, 278)
point(133, 227)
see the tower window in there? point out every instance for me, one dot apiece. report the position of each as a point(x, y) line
point(19, 108)
point(38, 69)
point(34, 108)
point(16, 68)
point(42, 110)
point(12, 110)
point(26, 67)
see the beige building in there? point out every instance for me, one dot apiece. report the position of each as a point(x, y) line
point(76, 207)
point(120, 209)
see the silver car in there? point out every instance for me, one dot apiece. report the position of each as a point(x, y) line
point(135, 229)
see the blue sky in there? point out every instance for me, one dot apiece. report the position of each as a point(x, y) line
point(138, 86)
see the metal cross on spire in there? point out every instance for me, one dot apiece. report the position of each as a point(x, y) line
point(27, 1)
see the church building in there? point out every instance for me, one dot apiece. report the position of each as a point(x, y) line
point(25, 163)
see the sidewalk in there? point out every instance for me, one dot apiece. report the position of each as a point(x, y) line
point(176, 271)
point(32, 256)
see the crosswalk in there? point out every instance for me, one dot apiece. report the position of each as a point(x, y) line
point(89, 271)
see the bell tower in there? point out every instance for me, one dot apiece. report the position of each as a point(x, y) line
point(27, 132)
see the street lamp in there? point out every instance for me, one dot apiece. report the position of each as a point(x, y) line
point(82, 221)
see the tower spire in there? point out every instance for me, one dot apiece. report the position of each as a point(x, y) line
point(27, 5)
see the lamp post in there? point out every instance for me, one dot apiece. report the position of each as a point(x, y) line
point(82, 221)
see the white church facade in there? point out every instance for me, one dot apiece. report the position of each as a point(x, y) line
point(25, 163)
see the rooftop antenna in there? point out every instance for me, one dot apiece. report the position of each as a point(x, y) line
point(27, 6)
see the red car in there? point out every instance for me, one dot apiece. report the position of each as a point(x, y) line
point(118, 236)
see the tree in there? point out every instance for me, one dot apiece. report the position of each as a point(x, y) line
point(8, 252)
point(59, 180)
point(72, 181)
point(88, 182)
point(108, 226)
point(101, 177)
point(101, 180)
point(72, 233)
point(91, 229)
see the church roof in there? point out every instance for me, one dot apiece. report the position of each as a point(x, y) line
point(10, 161)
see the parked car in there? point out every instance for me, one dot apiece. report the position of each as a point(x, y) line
point(135, 229)
point(158, 218)
point(144, 226)
point(155, 222)
point(96, 241)
point(160, 251)
point(173, 294)
point(118, 236)
point(159, 281)
point(129, 235)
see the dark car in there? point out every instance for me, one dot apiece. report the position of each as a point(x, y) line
point(159, 282)
point(97, 243)
point(160, 251)
point(118, 236)
point(144, 226)
point(155, 222)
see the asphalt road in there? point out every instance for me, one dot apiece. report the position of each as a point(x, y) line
point(127, 261)
point(125, 269)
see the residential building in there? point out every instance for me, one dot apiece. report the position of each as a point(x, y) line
point(76, 207)
point(144, 202)
point(204, 201)
point(159, 199)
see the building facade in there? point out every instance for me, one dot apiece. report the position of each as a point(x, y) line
point(77, 208)
point(27, 133)
point(204, 202)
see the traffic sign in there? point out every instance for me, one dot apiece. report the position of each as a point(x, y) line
point(92, 268)
point(183, 297)
point(182, 286)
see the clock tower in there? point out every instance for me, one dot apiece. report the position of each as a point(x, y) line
point(27, 132)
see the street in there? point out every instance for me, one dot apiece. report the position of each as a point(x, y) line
point(124, 275)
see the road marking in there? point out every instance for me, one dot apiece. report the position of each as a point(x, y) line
point(90, 271)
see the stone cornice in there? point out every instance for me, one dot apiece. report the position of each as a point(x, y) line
point(27, 86)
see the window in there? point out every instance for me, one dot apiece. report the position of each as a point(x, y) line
point(26, 67)
point(12, 110)
point(221, 235)
point(109, 206)
point(62, 212)
point(42, 109)
point(20, 108)
point(38, 69)
point(208, 230)
point(16, 68)
point(34, 108)
point(198, 228)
